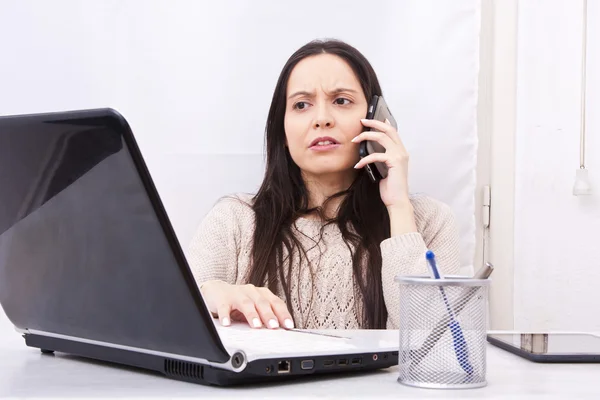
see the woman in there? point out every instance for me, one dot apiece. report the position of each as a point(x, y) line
point(319, 245)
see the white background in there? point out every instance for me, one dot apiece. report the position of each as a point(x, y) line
point(557, 235)
point(195, 79)
point(153, 62)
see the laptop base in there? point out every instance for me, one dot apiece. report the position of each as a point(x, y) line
point(263, 370)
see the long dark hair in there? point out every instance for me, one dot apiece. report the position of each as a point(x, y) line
point(362, 217)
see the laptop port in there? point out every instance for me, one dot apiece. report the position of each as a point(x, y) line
point(307, 364)
point(357, 361)
point(328, 363)
point(343, 362)
point(283, 367)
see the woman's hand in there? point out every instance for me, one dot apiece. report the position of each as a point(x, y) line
point(256, 305)
point(394, 188)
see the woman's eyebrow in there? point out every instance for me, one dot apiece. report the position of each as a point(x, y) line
point(341, 90)
point(301, 93)
point(331, 93)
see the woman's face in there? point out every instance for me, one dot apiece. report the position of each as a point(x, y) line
point(324, 105)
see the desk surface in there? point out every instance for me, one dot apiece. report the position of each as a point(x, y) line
point(25, 372)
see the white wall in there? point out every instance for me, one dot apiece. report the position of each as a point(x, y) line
point(556, 235)
point(496, 152)
point(195, 79)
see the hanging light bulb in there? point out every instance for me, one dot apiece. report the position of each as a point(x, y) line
point(582, 186)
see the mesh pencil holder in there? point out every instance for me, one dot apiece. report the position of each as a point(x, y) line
point(443, 332)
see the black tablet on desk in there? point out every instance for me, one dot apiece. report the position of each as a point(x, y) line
point(550, 347)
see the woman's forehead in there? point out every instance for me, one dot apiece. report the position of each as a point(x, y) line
point(323, 72)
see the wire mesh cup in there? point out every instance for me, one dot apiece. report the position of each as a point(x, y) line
point(443, 326)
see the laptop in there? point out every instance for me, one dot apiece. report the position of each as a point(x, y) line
point(90, 266)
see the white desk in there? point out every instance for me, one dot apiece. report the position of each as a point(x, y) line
point(25, 372)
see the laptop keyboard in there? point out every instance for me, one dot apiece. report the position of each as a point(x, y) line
point(269, 341)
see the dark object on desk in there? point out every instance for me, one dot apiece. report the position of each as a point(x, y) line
point(90, 264)
point(550, 347)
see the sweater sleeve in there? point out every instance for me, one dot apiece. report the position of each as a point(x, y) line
point(213, 251)
point(405, 254)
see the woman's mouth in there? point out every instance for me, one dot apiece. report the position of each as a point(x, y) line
point(324, 144)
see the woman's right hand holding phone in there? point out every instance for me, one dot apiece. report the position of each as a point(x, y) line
point(256, 305)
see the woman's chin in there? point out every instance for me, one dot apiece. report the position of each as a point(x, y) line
point(330, 170)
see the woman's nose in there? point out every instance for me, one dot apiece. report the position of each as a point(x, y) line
point(323, 119)
point(323, 123)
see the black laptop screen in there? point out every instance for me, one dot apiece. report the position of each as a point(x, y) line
point(82, 251)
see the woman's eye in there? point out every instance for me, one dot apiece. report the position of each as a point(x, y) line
point(301, 105)
point(342, 102)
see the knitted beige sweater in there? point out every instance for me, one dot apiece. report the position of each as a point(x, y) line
point(221, 249)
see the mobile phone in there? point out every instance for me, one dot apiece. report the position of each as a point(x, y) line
point(378, 110)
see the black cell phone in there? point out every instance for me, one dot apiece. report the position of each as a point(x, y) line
point(549, 347)
point(378, 110)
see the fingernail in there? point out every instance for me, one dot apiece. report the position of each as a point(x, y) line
point(356, 166)
point(273, 324)
point(387, 121)
point(225, 321)
point(354, 140)
point(256, 323)
point(289, 324)
point(363, 119)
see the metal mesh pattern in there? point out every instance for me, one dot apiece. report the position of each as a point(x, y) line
point(443, 334)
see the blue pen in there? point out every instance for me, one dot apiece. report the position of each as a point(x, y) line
point(460, 345)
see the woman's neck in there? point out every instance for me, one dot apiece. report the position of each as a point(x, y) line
point(321, 187)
